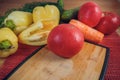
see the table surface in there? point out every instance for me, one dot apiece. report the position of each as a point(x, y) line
point(112, 41)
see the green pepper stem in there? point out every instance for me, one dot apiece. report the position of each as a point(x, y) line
point(10, 24)
point(5, 44)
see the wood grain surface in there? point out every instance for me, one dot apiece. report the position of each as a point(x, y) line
point(45, 65)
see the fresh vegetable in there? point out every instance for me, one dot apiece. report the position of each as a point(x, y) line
point(90, 14)
point(18, 20)
point(10, 24)
point(90, 34)
point(35, 35)
point(2, 18)
point(67, 15)
point(109, 23)
point(30, 6)
point(48, 15)
point(65, 40)
point(10, 11)
point(45, 19)
point(5, 44)
point(8, 42)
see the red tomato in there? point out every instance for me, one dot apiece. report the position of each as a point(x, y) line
point(109, 23)
point(90, 14)
point(65, 40)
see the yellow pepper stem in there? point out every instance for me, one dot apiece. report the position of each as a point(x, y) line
point(10, 24)
point(5, 44)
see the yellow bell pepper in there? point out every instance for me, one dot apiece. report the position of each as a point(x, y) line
point(18, 21)
point(8, 42)
point(45, 19)
point(48, 15)
point(34, 35)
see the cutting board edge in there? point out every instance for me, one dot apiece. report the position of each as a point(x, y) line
point(104, 68)
point(22, 62)
point(105, 64)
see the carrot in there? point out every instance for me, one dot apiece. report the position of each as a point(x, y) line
point(90, 34)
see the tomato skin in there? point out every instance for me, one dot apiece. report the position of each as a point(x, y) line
point(90, 14)
point(65, 40)
point(108, 23)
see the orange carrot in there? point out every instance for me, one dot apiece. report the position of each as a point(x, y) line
point(90, 34)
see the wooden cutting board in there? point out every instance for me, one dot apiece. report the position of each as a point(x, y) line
point(45, 65)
